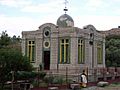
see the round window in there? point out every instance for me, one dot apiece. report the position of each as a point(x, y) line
point(47, 33)
point(46, 44)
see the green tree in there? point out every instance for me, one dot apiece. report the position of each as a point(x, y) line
point(15, 39)
point(4, 39)
point(12, 60)
point(11, 42)
point(113, 51)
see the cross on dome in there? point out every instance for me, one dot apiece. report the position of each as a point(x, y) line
point(65, 9)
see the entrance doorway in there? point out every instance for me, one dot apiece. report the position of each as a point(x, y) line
point(46, 60)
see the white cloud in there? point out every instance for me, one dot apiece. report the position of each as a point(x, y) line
point(101, 4)
point(49, 7)
point(15, 3)
point(100, 22)
point(15, 25)
point(94, 3)
point(31, 6)
point(38, 9)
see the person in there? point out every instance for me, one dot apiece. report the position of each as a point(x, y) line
point(31, 86)
point(83, 79)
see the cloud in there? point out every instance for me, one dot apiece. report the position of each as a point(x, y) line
point(101, 4)
point(15, 3)
point(97, 6)
point(49, 7)
point(94, 3)
point(100, 22)
point(15, 25)
point(31, 6)
point(47, 12)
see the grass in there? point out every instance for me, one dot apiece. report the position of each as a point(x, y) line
point(115, 84)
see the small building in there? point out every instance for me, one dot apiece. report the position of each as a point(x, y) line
point(63, 45)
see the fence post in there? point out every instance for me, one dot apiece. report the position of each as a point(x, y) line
point(95, 74)
point(12, 72)
point(87, 75)
point(78, 77)
point(104, 72)
point(50, 76)
point(66, 75)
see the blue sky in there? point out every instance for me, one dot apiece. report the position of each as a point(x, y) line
point(26, 15)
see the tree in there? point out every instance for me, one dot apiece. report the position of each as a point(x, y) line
point(4, 39)
point(12, 60)
point(113, 51)
point(15, 39)
point(11, 42)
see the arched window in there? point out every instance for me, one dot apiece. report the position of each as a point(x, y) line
point(81, 51)
point(99, 53)
point(64, 51)
point(31, 50)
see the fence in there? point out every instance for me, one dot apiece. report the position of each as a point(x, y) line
point(93, 75)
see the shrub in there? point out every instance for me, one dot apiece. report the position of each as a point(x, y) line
point(23, 75)
point(58, 80)
point(54, 80)
point(49, 79)
point(42, 75)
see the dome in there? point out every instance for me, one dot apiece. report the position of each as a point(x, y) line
point(65, 21)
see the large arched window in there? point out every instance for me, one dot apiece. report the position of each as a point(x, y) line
point(99, 53)
point(31, 50)
point(64, 51)
point(81, 51)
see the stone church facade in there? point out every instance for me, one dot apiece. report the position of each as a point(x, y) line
point(63, 45)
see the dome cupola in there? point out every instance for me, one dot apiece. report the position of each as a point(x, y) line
point(65, 21)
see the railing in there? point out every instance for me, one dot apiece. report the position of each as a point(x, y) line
point(93, 75)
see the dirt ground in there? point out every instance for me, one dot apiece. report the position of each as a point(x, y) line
point(102, 88)
point(110, 88)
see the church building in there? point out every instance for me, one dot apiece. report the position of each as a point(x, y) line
point(63, 45)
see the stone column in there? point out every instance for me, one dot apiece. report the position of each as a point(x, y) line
point(54, 53)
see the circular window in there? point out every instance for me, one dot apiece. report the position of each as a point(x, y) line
point(46, 44)
point(47, 33)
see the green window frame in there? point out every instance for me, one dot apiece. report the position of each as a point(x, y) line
point(31, 50)
point(99, 53)
point(64, 51)
point(81, 51)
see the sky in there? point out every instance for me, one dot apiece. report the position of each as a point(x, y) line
point(26, 15)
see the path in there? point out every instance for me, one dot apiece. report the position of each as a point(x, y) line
point(102, 88)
